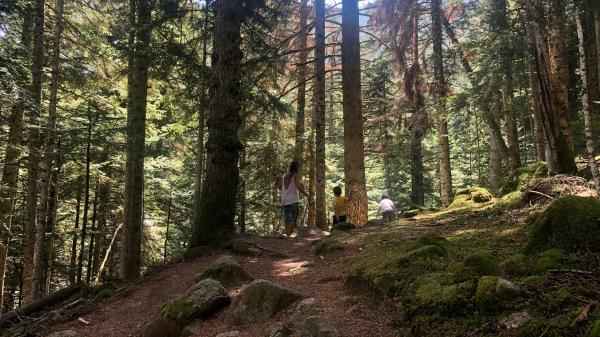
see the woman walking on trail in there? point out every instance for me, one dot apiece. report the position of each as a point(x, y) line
point(290, 188)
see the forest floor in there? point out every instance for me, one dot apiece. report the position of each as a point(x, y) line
point(488, 227)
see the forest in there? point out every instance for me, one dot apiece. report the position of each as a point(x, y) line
point(145, 150)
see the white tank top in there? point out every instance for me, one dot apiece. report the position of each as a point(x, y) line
point(289, 195)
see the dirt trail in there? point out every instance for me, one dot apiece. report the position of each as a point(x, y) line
point(126, 315)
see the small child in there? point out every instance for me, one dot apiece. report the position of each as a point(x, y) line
point(339, 206)
point(386, 208)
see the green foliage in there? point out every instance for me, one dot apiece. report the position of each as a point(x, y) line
point(466, 197)
point(571, 223)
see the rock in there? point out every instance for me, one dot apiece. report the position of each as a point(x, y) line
point(515, 320)
point(375, 223)
point(432, 240)
point(307, 308)
point(481, 263)
point(516, 265)
point(305, 231)
point(433, 293)
point(525, 177)
point(549, 259)
point(227, 271)
point(316, 326)
point(472, 196)
point(246, 248)
point(328, 245)
point(343, 226)
point(511, 200)
point(493, 293)
point(202, 299)
point(306, 264)
point(162, 327)
point(192, 329)
point(65, 333)
point(260, 300)
point(570, 223)
point(279, 330)
point(425, 252)
point(229, 334)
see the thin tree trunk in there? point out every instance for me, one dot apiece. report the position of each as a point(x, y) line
point(354, 151)
point(73, 264)
point(440, 102)
point(90, 267)
point(242, 213)
point(319, 111)
point(51, 219)
point(218, 200)
point(107, 254)
point(312, 185)
point(103, 212)
point(538, 128)
point(496, 171)
point(34, 238)
point(136, 127)
point(417, 194)
point(587, 115)
point(86, 199)
point(301, 69)
point(168, 225)
point(12, 154)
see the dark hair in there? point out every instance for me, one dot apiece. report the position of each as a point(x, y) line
point(294, 167)
point(337, 191)
point(383, 196)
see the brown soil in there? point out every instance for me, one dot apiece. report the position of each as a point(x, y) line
point(127, 313)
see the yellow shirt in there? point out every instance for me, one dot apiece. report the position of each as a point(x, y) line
point(339, 206)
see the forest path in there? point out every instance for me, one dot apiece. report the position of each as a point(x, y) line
point(126, 313)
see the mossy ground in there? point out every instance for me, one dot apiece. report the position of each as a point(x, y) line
point(466, 197)
point(438, 291)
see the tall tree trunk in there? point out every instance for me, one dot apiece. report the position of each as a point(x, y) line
point(73, 263)
point(34, 229)
point(440, 102)
point(10, 174)
point(136, 128)
point(597, 31)
point(241, 221)
point(49, 251)
point(496, 171)
point(218, 200)
point(587, 114)
point(103, 213)
point(538, 127)
point(201, 119)
point(591, 51)
point(89, 271)
point(86, 199)
point(354, 150)
point(312, 185)
point(301, 70)
point(559, 69)
point(319, 111)
point(419, 126)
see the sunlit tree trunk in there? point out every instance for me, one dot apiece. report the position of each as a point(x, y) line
point(440, 103)
point(354, 152)
point(86, 199)
point(103, 213)
point(587, 115)
point(218, 200)
point(417, 132)
point(136, 127)
point(538, 127)
point(319, 111)
point(73, 260)
point(301, 71)
point(12, 154)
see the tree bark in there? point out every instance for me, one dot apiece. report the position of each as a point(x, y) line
point(218, 200)
point(86, 199)
point(136, 128)
point(597, 35)
point(34, 229)
point(538, 127)
point(301, 71)
point(419, 126)
point(587, 114)
point(12, 154)
point(440, 102)
point(51, 219)
point(319, 111)
point(89, 271)
point(103, 213)
point(73, 263)
point(354, 152)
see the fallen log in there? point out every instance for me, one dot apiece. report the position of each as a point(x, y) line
point(46, 301)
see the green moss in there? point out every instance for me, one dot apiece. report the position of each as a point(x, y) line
point(432, 240)
point(485, 295)
point(471, 196)
point(525, 177)
point(178, 309)
point(481, 263)
point(103, 294)
point(436, 293)
point(549, 259)
point(511, 200)
point(594, 329)
point(423, 253)
point(557, 299)
point(342, 226)
point(571, 223)
point(328, 245)
point(532, 281)
point(516, 265)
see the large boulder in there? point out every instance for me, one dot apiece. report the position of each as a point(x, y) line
point(160, 326)
point(328, 245)
point(471, 196)
point(279, 330)
point(247, 248)
point(227, 271)
point(316, 326)
point(570, 223)
point(306, 308)
point(65, 333)
point(202, 299)
point(494, 293)
point(481, 263)
point(261, 300)
point(437, 293)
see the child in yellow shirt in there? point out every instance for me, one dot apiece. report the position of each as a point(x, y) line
point(339, 205)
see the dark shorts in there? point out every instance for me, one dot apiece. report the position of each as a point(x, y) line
point(290, 213)
point(342, 219)
point(388, 215)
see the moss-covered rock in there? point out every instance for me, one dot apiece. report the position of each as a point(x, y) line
point(244, 247)
point(436, 293)
point(511, 200)
point(516, 265)
point(328, 245)
point(494, 293)
point(557, 299)
point(305, 309)
point(481, 263)
point(316, 326)
point(471, 196)
point(227, 271)
point(571, 223)
point(104, 290)
point(433, 240)
point(162, 327)
point(411, 213)
point(594, 329)
point(201, 300)
point(259, 301)
point(525, 177)
point(549, 259)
